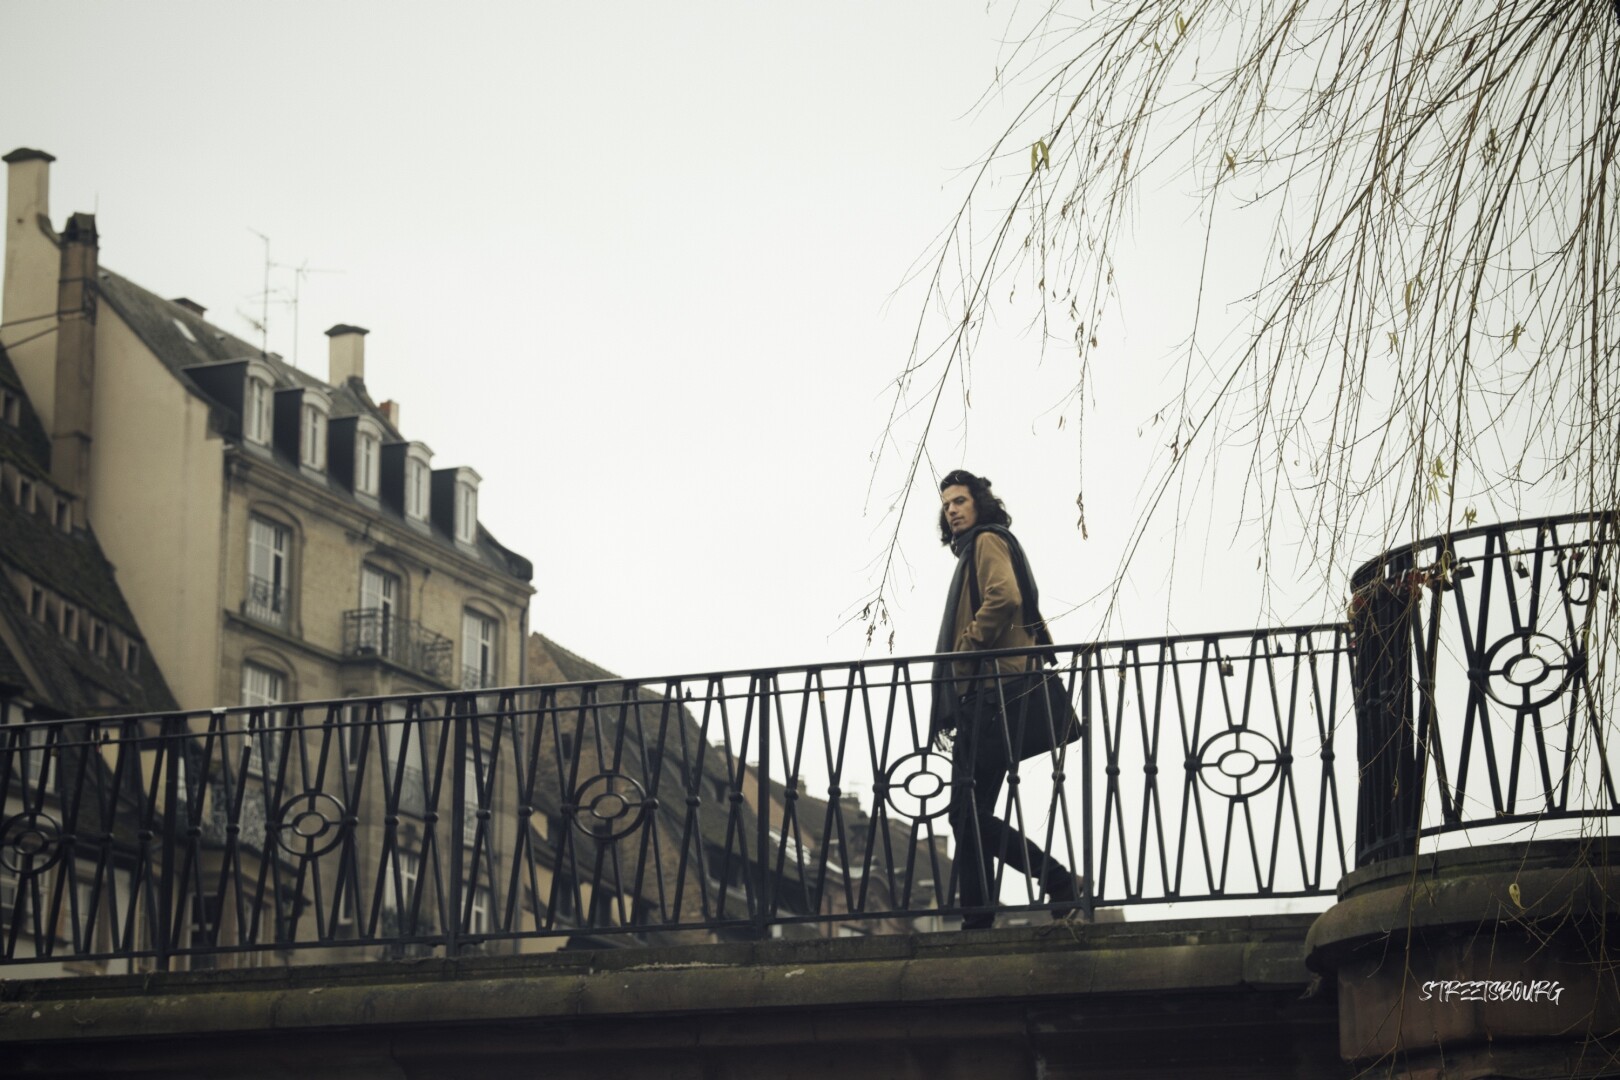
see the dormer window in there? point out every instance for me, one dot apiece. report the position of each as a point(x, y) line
point(312, 434)
point(466, 506)
point(258, 409)
point(367, 447)
point(418, 481)
point(10, 407)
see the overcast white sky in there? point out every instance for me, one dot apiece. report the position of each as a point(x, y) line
point(641, 265)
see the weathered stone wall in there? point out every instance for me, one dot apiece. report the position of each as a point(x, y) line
point(1207, 998)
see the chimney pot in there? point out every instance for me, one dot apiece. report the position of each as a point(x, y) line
point(346, 354)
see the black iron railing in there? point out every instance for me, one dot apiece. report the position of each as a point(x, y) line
point(378, 633)
point(727, 804)
point(1487, 672)
point(795, 800)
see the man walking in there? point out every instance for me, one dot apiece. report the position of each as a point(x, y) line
point(992, 604)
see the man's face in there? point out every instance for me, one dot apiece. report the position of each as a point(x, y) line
point(960, 513)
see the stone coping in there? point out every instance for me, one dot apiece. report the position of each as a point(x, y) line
point(1058, 961)
point(1597, 850)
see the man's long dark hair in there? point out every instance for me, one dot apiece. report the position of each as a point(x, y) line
point(989, 509)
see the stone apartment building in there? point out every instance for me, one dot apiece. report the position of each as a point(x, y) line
point(251, 535)
point(277, 535)
point(280, 540)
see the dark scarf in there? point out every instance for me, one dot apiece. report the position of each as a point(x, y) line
point(944, 695)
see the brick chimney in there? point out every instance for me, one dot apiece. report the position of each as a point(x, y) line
point(346, 354)
point(70, 428)
point(390, 411)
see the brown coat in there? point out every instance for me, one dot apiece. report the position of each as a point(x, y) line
point(998, 621)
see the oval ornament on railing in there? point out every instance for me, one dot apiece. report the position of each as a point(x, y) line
point(610, 806)
point(918, 786)
point(1536, 674)
point(1237, 763)
point(30, 843)
point(309, 824)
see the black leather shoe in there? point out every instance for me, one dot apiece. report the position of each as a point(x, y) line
point(1062, 887)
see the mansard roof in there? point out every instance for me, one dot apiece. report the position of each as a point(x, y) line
point(59, 675)
point(182, 339)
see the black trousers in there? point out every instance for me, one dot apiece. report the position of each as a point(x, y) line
point(979, 764)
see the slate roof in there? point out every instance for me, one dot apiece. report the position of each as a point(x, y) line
point(181, 338)
point(71, 681)
point(550, 662)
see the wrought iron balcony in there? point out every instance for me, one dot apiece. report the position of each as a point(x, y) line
point(373, 632)
point(267, 601)
point(1466, 693)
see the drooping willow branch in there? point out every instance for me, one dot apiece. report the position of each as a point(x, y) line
point(1429, 337)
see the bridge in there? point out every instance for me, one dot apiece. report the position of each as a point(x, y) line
point(1293, 840)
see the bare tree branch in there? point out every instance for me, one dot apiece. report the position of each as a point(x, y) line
point(1429, 338)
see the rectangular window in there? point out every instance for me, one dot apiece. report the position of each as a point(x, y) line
point(256, 414)
point(345, 904)
point(477, 651)
point(60, 516)
point(132, 657)
point(417, 476)
point(379, 599)
point(70, 622)
point(98, 637)
point(356, 738)
point(33, 758)
point(262, 686)
point(410, 872)
point(365, 464)
point(11, 407)
point(36, 602)
point(469, 781)
point(25, 494)
point(268, 548)
point(8, 895)
point(410, 746)
point(466, 513)
point(313, 441)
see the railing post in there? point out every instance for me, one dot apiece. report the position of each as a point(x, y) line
point(1087, 854)
point(462, 705)
point(170, 745)
point(1387, 801)
point(763, 899)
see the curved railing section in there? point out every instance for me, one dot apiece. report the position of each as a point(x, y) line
point(1486, 664)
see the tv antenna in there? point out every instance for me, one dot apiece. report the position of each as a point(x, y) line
point(300, 272)
point(262, 323)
